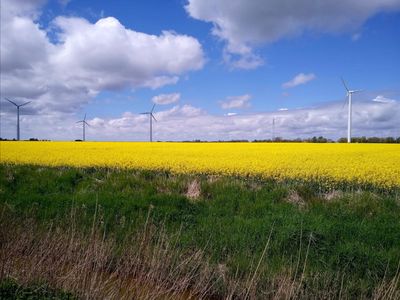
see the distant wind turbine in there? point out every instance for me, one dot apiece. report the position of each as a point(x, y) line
point(151, 117)
point(84, 123)
point(349, 96)
point(273, 129)
point(18, 106)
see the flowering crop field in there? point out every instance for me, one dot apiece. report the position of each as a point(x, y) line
point(371, 164)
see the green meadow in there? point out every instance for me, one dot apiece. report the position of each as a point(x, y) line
point(126, 233)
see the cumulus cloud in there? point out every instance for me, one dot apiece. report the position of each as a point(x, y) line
point(116, 56)
point(184, 111)
point(81, 58)
point(299, 79)
point(190, 123)
point(383, 99)
point(186, 122)
point(242, 101)
point(244, 24)
point(247, 61)
point(166, 98)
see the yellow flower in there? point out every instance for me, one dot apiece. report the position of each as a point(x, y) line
point(376, 164)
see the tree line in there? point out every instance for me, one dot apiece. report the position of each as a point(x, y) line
point(314, 139)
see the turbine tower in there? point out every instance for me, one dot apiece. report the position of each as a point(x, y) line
point(18, 106)
point(84, 123)
point(349, 115)
point(273, 129)
point(151, 117)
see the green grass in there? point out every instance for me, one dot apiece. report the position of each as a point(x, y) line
point(356, 234)
point(10, 289)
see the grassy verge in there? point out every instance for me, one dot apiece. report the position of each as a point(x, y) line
point(10, 289)
point(220, 236)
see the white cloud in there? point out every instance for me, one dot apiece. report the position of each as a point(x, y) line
point(23, 8)
point(383, 99)
point(64, 3)
point(166, 98)
point(299, 79)
point(242, 101)
point(356, 36)
point(185, 111)
point(246, 61)
point(82, 59)
point(118, 57)
point(244, 24)
point(185, 122)
point(283, 109)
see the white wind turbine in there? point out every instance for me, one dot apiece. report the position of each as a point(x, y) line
point(18, 106)
point(151, 117)
point(349, 96)
point(273, 129)
point(84, 123)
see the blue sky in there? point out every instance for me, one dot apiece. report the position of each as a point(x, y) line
point(363, 48)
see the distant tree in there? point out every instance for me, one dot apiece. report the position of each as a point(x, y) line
point(390, 140)
point(321, 139)
point(371, 140)
point(363, 139)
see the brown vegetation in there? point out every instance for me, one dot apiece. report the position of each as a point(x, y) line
point(147, 265)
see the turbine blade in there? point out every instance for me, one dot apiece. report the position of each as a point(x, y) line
point(84, 118)
point(79, 122)
point(87, 123)
point(344, 83)
point(26, 103)
point(154, 117)
point(154, 105)
point(11, 101)
point(145, 113)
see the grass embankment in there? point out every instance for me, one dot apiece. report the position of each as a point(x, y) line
point(116, 233)
point(10, 289)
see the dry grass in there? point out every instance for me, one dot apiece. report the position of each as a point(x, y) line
point(150, 265)
point(294, 198)
point(332, 195)
point(193, 189)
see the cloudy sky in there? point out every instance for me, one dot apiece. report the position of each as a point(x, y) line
point(216, 69)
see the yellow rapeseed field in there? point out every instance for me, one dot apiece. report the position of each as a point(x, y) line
point(377, 164)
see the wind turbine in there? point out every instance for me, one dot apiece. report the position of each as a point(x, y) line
point(349, 96)
point(273, 128)
point(151, 117)
point(18, 106)
point(84, 123)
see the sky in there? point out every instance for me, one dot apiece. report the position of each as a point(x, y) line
point(216, 69)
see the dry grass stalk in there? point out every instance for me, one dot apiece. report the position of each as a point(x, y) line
point(294, 198)
point(193, 189)
point(149, 266)
point(332, 195)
